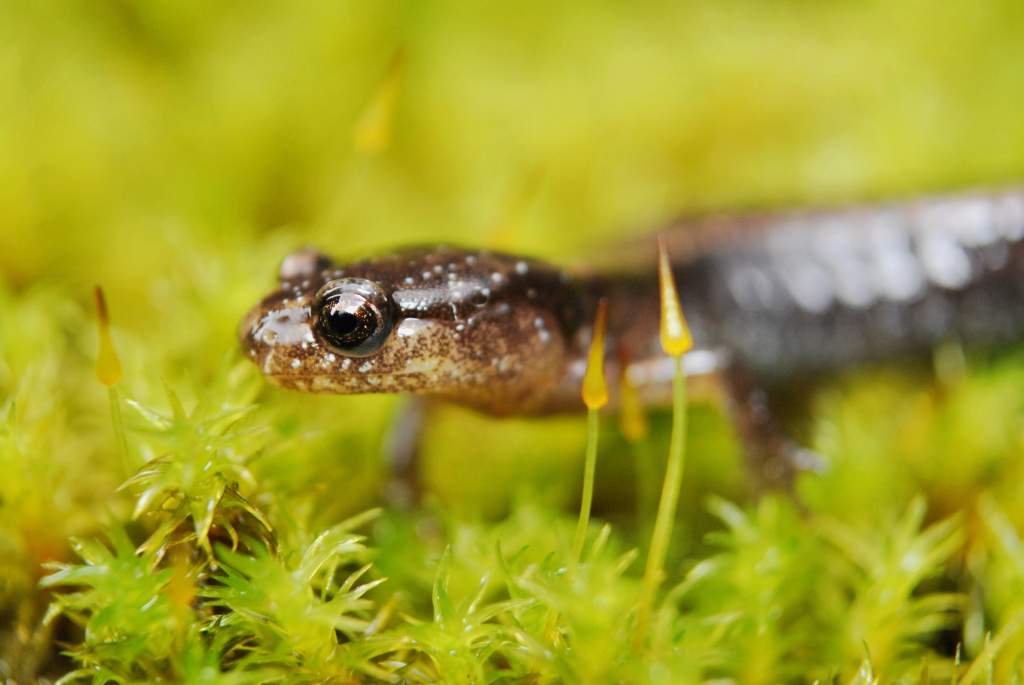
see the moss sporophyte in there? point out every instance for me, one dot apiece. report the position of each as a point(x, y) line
point(109, 372)
point(675, 341)
point(595, 396)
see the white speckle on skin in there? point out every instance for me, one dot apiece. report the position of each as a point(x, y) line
point(744, 283)
point(425, 275)
point(1009, 217)
point(853, 285)
point(460, 327)
point(409, 326)
point(438, 268)
point(969, 222)
point(460, 291)
point(296, 363)
point(305, 345)
point(409, 280)
point(544, 335)
point(286, 327)
point(470, 259)
point(945, 261)
point(809, 286)
point(497, 277)
point(331, 358)
point(345, 363)
point(522, 267)
point(531, 293)
point(884, 233)
point(365, 366)
point(660, 370)
point(976, 228)
point(898, 275)
point(578, 367)
point(502, 309)
point(413, 299)
point(538, 322)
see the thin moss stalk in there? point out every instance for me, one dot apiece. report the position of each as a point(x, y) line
point(109, 372)
point(117, 420)
point(595, 396)
point(665, 520)
point(586, 502)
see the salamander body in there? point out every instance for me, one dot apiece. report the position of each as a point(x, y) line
point(781, 295)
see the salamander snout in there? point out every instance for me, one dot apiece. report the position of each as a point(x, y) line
point(278, 335)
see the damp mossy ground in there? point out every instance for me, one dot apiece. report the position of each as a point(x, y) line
point(173, 152)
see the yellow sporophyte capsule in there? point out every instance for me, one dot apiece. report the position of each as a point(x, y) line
point(372, 131)
point(595, 389)
point(632, 419)
point(108, 366)
point(675, 334)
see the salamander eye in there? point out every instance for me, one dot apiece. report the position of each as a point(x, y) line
point(353, 315)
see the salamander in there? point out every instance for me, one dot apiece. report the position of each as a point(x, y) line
point(775, 296)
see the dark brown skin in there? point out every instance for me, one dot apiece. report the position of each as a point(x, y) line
point(778, 296)
point(484, 329)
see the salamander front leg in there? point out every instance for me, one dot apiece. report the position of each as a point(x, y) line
point(404, 487)
point(774, 458)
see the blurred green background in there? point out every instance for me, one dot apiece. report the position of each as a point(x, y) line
point(134, 132)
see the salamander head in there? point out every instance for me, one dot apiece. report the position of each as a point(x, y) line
point(485, 329)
